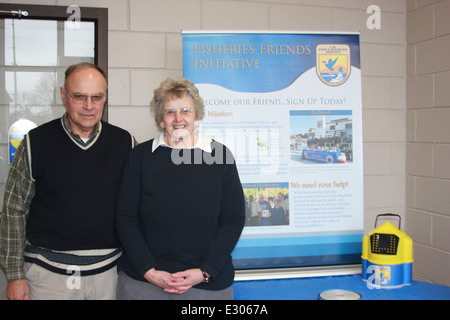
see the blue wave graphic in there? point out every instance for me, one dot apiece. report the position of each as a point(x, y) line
point(256, 62)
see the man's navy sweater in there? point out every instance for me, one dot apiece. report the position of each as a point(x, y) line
point(174, 217)
point(76, 189)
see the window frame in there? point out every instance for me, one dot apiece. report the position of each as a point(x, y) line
point(92, 14)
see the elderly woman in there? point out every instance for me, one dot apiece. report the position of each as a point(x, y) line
point(180, 209)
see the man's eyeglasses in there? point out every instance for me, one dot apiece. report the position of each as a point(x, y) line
point(173, 112)
point(79, 98)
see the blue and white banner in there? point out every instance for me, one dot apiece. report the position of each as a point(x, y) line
point(288, 105)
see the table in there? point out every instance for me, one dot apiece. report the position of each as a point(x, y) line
point(310, 288)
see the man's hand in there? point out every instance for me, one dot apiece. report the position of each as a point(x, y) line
point(18, 290)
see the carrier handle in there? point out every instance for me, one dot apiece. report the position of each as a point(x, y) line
point(390, 215)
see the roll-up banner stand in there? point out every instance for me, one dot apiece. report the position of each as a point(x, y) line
point(288, 105)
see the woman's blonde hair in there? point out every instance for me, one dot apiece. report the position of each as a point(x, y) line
point(171, 88)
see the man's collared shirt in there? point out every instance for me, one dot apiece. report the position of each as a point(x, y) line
point(82, 143)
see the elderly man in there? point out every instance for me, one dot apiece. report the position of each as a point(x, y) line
point(58, 239)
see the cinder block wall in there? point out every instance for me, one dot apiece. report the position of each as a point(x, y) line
point(428, 138)
point(145, 48)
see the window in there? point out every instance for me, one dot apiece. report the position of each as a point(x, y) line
point(35, 51)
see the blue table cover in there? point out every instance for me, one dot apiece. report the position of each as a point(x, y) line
point(310, 288)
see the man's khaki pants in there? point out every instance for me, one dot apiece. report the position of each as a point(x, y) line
point(47, 285)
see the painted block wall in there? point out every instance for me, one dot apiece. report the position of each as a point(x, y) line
point(404, 90)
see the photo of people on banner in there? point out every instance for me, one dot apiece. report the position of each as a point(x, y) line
point(321, 136)
point(266, 204)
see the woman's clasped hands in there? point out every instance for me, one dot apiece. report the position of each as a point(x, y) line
point(178, 283)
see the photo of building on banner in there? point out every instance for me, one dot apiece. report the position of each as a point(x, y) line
point(288, 106)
